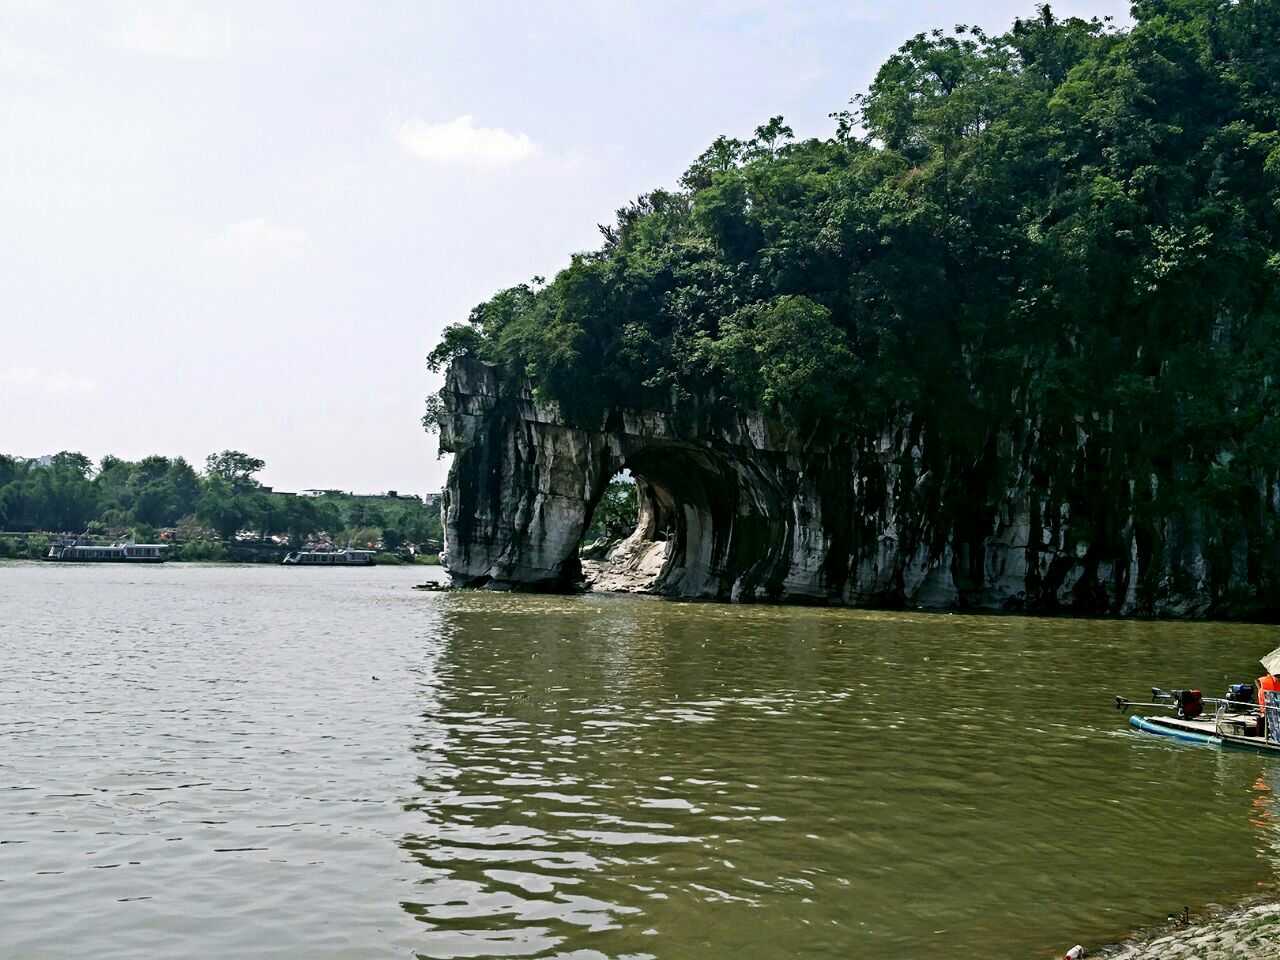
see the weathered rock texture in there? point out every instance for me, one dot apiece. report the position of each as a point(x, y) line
point(633, 565)
point(751, 510)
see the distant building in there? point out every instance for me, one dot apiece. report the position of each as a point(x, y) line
point(389, 495)
point(429, 499)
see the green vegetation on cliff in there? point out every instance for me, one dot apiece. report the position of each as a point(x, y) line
point(1051, 253)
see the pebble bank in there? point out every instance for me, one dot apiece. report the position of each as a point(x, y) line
point(1252, 933)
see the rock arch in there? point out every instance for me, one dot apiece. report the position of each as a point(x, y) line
point(717, 515)
point(524, 485)
point(752, 511)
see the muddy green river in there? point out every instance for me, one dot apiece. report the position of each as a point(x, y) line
point(255, 762)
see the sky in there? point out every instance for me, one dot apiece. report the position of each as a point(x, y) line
point(243, 225)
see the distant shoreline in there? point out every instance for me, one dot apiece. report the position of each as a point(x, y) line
point(221, 513)
point(249, 556)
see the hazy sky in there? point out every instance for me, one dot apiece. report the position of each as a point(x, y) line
point(243, 225)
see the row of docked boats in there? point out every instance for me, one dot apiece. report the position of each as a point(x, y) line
point(320, 557)
point(80, 550)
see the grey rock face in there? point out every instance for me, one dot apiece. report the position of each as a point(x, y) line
point(750, 510)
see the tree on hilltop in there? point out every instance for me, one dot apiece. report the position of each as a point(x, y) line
point(236, 468)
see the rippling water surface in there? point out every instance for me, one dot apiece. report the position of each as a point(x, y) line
point(254, 762)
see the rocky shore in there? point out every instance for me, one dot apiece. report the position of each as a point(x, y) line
point(1250, 932)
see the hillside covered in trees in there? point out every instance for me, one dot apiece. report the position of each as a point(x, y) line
point(1050, 256)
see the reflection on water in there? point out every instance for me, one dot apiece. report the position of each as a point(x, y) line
point(627, 778)
point(260, 762)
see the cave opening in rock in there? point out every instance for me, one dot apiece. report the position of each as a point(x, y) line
point(688, 517)
point(614, 515)
point(624, 543)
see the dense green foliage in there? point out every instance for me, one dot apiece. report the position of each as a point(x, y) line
point(140, 498)
point(616, 514)
point(1065, 238)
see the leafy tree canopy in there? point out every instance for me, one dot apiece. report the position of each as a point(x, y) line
point(141, 497)
point(236, 468)
point(1066, 220)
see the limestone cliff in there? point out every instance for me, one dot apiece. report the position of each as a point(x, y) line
point(751, 510)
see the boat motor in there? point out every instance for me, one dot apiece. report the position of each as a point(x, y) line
point(1241, 696)
point(1190, 703)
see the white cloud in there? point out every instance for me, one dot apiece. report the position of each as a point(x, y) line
point(30, 379)
point(257, 245)
point(460, 141)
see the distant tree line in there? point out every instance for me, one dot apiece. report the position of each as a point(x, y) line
point(139, 498)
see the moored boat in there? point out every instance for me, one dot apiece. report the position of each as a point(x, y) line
point(1238, 721)
point(1206, 731)
point(77, 551)
point(320, 557)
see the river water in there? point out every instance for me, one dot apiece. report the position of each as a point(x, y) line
point(255, 762)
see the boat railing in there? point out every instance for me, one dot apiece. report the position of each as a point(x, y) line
point(1233, 721)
